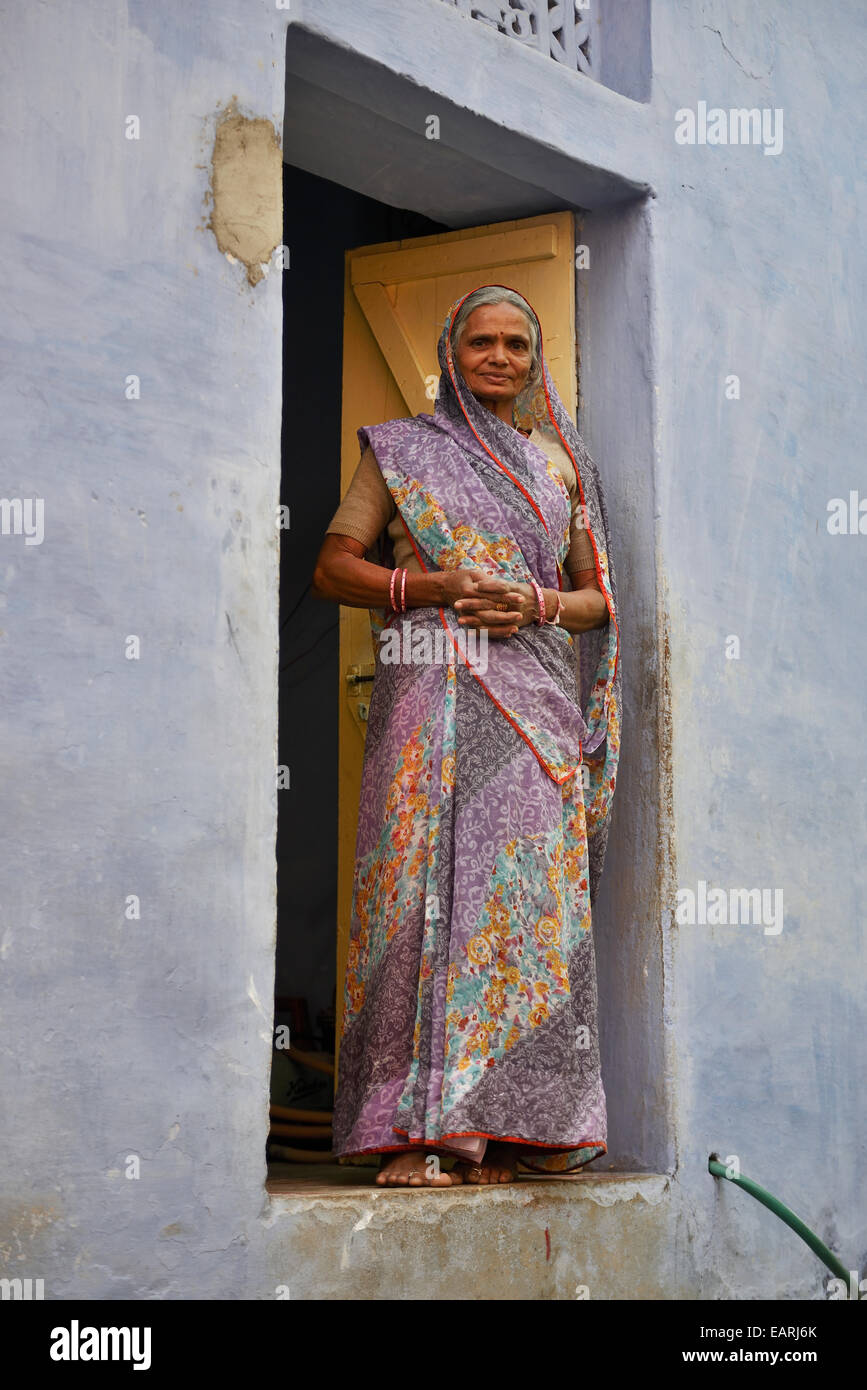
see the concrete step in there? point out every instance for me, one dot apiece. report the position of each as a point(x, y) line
point(333, 1234)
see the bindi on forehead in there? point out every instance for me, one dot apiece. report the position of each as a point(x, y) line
point(494, 321)
point(485, 334)
point(488, 334)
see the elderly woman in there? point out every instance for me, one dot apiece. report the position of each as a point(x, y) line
point(469, 1022)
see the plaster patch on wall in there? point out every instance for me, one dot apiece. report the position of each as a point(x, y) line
point(20, 1224)
point(246, 190)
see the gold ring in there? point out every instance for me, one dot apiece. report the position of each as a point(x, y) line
point(502, 608)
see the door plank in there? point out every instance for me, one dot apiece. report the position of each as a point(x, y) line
point(477, 253)
point(395, 346)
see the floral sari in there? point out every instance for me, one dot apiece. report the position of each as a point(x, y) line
point(470, 994)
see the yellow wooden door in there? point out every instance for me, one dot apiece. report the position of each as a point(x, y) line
point(396, 297)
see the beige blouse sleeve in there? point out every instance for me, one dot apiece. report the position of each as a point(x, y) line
point(367, 507)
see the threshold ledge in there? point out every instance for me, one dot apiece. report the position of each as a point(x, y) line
point(291, 1181)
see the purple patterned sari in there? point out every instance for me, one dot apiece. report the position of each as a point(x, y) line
point(470, 992)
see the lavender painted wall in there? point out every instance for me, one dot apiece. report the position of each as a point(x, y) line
point(152, 777)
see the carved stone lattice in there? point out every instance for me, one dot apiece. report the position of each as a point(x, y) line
point(558, 28)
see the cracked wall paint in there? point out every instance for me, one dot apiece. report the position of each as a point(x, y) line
point(246, 190)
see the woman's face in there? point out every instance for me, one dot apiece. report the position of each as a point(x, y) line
point(495, 355)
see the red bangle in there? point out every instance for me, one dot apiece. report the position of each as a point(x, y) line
point(403, 593)
point(394, 575)
point(540, 599)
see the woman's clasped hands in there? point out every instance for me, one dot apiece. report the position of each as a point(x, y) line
point(481, 600)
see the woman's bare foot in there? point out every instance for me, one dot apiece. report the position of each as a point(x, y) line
point(414, 1169)
point(500, 1164)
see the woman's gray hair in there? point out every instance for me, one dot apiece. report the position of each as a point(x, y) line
point(498, 294)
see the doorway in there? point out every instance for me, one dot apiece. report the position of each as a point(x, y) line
point(616, 417)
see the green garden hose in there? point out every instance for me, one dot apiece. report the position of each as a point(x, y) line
point(773, 1204)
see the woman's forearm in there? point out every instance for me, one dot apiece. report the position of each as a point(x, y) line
point(583, 609)
point(345, 577)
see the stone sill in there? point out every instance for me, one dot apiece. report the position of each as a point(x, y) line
point(292, 1185)
point(331, 1233)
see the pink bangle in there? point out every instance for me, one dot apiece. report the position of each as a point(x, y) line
point(403, 593)
point(394, 575)
point(540, 599)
